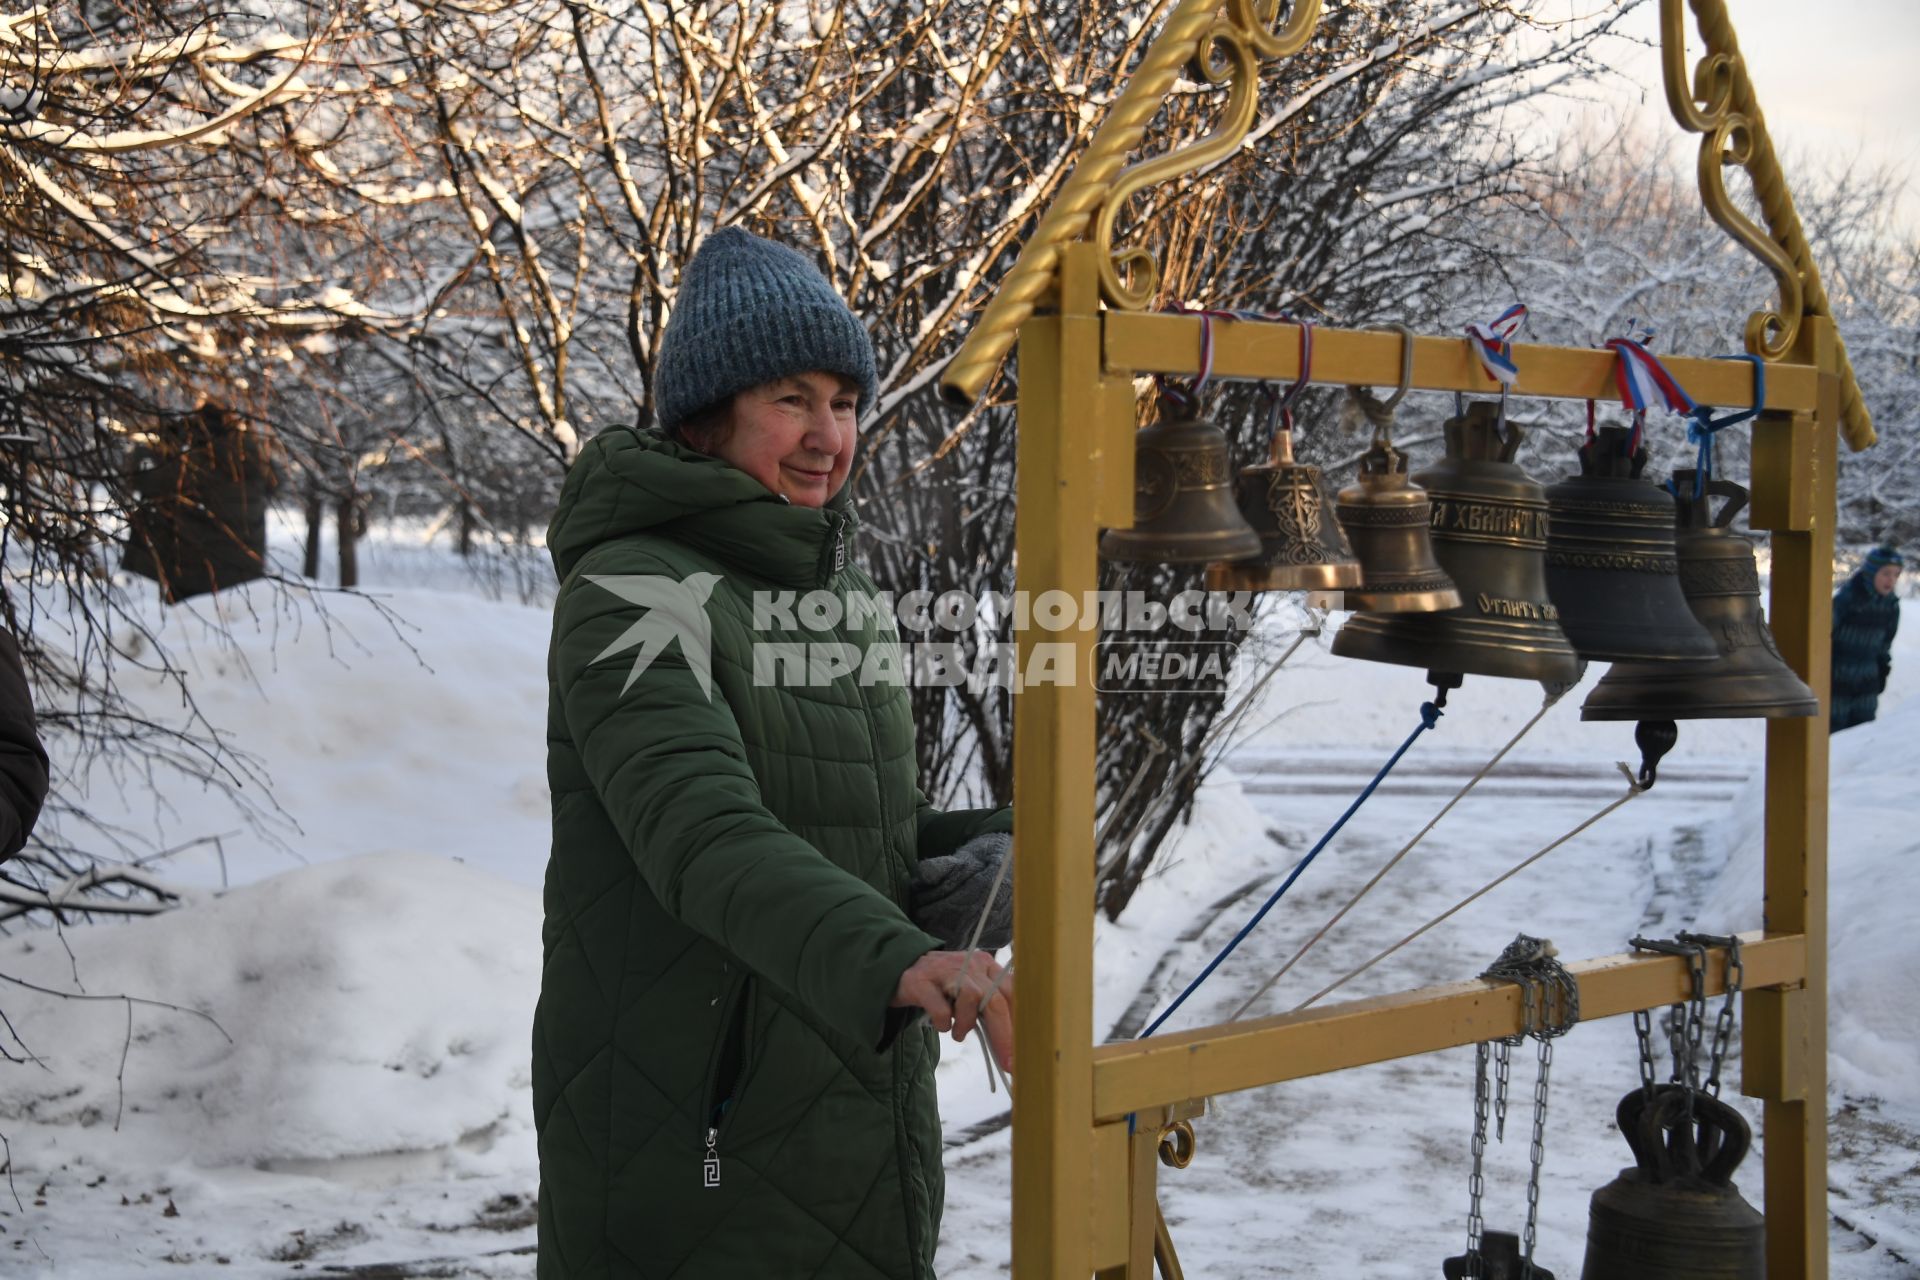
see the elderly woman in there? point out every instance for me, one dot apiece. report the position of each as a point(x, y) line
point(731, 1076)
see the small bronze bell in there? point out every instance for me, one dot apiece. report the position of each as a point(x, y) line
point(1612, 570)
point(1183, 510)
point(1749, 678)
point(1302, 547)
point(1489, 530)
point(1387, 517)
point(1676, 1215)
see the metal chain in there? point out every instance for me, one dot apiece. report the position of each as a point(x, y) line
point(1643, 1031)
point(1531, 963)
point(1696, 1019)
point(1476, 1182)
point(1723, 1021)
point(1502, 1069)
point(1685, 1022)
point(1537, 1153)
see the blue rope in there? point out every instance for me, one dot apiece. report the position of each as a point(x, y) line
point(1429, 717)
point(1702, 426)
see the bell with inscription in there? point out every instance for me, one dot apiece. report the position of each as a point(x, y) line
point(1749, 678)
point(1612, 570)
point(1387, 516)
point(1183, 510)
point(1489, 532)
point(1302, 547)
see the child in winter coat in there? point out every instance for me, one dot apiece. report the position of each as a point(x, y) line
point(1865, 616)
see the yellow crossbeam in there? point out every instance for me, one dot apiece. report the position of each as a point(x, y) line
point(1252, 349)
point(1142, 1074)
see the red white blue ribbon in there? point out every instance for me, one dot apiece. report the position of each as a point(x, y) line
point(1493, 343)
point(1644, 382)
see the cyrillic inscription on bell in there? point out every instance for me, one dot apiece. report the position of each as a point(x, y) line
point(1721, 584)
point(1489, 531)
point(1612, 569)
point(1302, 547)
point(1388, 518)
point(1183, 511)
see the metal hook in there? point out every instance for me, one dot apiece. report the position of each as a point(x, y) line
point(1392, 402)
point(1292, 393)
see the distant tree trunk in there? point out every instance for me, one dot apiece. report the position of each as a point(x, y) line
point(348, 525)
point(466, 529)
point(316, 512)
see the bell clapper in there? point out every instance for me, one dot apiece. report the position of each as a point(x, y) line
point(1444, 682)
point(1654, 738)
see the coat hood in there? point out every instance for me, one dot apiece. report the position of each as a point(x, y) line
point(628, 481)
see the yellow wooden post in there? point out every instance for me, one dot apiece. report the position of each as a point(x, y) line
point(1794, 464)
point(1058, 492)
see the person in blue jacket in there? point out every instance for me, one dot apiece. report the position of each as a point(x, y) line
point(1866, 614)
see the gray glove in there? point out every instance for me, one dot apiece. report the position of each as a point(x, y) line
point(948, 893)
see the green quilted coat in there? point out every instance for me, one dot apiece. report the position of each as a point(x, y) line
point(719, 1086)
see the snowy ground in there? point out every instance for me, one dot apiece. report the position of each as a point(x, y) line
point(355, 1100)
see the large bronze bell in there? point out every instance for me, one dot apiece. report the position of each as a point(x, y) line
point(1612, 570)
point(1302, 547)
point(1183, 510)
point(1387, 517)
point(1489, 529)
point(1676, 1215)
point(1748, 679)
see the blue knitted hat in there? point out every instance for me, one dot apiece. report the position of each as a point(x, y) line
point(751, 311)
point(1883, 555)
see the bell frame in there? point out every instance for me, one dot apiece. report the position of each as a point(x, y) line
point(1092, 1123)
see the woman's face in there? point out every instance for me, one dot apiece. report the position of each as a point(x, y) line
point(796, 435)
point(1883, 581)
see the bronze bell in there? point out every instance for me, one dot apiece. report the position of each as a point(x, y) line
point(1302, 547)
point(1183, 510)
point(1676, 1215)
point(1612, 570)
point(1749, 678)
point(1387, 517)
point(1489, 530)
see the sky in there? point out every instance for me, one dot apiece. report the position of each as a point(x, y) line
point(1835, 80)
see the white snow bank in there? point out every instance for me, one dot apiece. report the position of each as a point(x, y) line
point(374, 1004)
point(1873, 845)
point(412, 720)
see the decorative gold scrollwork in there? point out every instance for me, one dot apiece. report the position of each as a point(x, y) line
point(1769, 334)
point(1718, 101)
point(1228, 53)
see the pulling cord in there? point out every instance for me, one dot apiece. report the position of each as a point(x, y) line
point(1429, 717)
point(1394, 861)
point(1633, 789)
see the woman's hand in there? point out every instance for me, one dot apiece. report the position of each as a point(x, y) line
point(935, 983)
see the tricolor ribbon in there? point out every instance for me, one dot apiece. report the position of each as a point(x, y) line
point(1493, 343)
point(1644, 384)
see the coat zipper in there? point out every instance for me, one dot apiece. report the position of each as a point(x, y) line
point(896, 1054)
point(723, 1096)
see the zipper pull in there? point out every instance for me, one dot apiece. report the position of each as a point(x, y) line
point(710, 1167)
